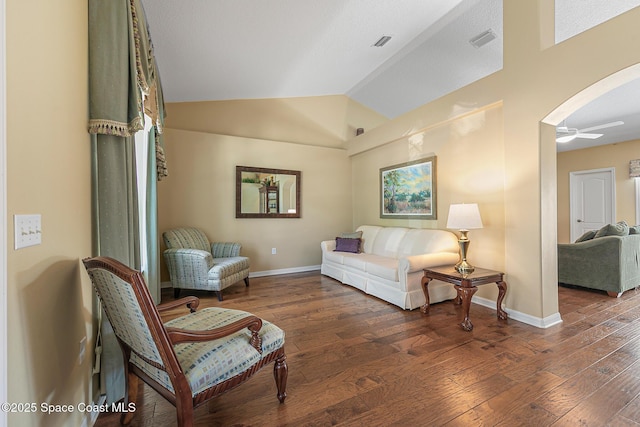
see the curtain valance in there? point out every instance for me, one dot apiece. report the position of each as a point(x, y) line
point(124, 83)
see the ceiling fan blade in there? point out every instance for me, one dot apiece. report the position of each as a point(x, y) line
point(588, 135)
point(603, 126)
point(566, 138)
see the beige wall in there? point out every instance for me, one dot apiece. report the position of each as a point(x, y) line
point(200, 191)
point(321, 120)
point(533, 82)
point(48, 172)
point(470, 169)
point(615, 156)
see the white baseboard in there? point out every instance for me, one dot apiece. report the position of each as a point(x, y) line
point(538, 322)
point(268, 273)
point(284, 271)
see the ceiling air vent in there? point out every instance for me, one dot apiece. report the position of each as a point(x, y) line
point(382, 41)
point(483, 38)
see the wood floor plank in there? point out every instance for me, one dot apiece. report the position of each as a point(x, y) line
point(590, 354)
point(568, 395)
point(434, 410)
point(356, 360)
point(528, 415)
point(604, 403)
point(498, 408)
point(629, 414)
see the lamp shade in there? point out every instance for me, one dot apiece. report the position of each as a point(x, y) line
point(464, 216)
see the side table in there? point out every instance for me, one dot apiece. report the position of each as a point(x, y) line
point(466, 285)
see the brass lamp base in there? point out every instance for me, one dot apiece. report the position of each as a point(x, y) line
point(463, 267)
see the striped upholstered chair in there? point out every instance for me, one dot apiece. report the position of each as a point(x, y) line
point(190, 359)
point(195, 263)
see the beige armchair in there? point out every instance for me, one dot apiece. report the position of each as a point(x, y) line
point(195, 263)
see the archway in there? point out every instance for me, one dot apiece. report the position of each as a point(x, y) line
point(591, 93)
point(549, 206)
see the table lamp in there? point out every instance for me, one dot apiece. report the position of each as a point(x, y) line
point(464, 217)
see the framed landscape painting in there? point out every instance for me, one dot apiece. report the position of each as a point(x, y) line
point(408, 190)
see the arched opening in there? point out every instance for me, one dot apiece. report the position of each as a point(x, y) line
point(591, 93)
point(549, 179)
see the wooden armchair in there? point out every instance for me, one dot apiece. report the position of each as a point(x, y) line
point(188, 360)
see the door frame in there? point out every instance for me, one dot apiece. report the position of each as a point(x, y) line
point(572, 208)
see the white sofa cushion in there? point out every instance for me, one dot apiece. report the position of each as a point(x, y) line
point(387, 241)
point(423, 241)
point(369, 233)
point(357, 261)
point(386, 268)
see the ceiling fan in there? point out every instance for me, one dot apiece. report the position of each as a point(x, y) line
point(566, 134)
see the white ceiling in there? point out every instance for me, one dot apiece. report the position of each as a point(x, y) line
point(249, 49)
point(622, 103)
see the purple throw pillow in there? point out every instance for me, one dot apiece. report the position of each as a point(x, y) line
point(347, 245)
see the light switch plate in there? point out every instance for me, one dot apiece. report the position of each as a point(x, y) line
point(28, 230)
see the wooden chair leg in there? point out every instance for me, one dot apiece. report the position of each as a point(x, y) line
point(219, 293)
point(176, 292)
point(184, 410)
point(246, 281)
point(130, 397)
point(280, 373)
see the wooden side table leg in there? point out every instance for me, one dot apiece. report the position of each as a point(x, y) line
point(458, 299)
point(425, 289)
point(466, 294)
point(502, 290)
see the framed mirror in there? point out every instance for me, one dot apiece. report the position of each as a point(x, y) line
point(267, 193)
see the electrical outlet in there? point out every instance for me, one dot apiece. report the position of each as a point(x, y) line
point(81, 353)
point(273, 251)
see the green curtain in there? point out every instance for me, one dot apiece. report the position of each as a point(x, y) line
point(115, 199)
point(123, 86)
point(115, 234)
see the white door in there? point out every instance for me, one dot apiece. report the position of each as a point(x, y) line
point(593, 200)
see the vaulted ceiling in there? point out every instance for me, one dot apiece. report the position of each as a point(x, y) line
point(249, 49)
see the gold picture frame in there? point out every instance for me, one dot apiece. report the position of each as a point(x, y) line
point(408, 190)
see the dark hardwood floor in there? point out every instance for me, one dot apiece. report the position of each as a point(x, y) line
point(357, 360)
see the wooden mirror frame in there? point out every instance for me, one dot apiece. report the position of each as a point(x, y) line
point(265, 171)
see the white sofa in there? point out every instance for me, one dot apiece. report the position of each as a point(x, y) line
point(391, 263)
